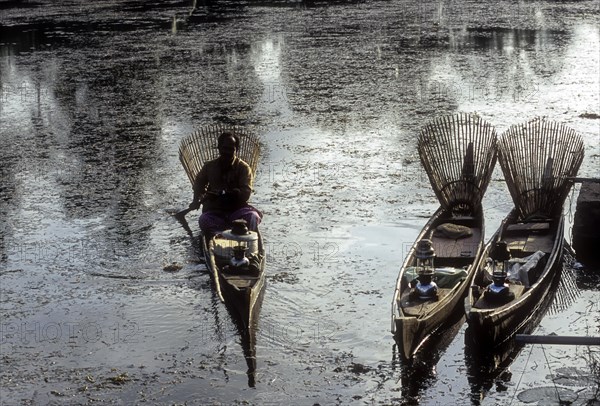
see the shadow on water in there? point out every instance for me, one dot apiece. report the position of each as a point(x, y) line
point(588, 278)
point(488, 367)
point(418, 374)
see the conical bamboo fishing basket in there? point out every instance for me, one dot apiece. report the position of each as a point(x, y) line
point(536, 158)
point(201, 146)
point(458, 153)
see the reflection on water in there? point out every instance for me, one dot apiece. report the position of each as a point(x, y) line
point(506, 40)
point(267, 64)
point(524, 59)
point(419, 374)
point(488, 368)
point(90, 139)
point(17, 39)
point(248, 335)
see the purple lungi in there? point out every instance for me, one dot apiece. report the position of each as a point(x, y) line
point(214, 221)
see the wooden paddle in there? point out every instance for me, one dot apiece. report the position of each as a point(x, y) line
point(180, 217)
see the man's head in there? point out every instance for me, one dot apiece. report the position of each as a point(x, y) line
point(228, 144)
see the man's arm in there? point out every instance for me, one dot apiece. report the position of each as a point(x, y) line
point(200, 185)
point(246, 180)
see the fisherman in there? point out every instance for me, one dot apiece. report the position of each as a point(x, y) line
point(223, 187)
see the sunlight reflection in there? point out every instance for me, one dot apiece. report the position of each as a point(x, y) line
point(267, 65)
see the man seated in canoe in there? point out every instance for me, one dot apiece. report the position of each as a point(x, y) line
point(223, 187)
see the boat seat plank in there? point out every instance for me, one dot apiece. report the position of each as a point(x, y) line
point(482, 303)
point(462, 218)
point(516, 245)
point(462, 247)
point(418, 307)
point(234, 277)
point(536, 243)
point(528, 227)
point(241, 281)
point(528, 244)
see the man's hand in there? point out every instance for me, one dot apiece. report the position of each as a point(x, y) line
point(232, 194)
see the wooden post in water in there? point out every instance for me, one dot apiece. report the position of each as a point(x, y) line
point(559, 340)
point(586, 238)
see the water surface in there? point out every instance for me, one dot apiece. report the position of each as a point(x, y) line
point(94, 99)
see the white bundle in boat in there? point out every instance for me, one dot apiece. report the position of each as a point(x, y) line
point(522, 267)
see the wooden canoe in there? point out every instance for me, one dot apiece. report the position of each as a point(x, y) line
point(458, 153)
point(415, 319)
point(537, 158)
point(492, 322)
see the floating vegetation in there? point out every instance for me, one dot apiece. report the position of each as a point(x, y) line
point(174, 267)
point(548, 395)
point(285, 277)
point(120, 379)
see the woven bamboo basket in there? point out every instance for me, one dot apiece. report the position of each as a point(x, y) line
point(201, 146)
point(536, 158)
point(458, 153)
